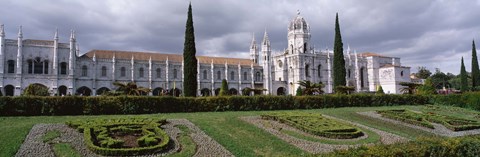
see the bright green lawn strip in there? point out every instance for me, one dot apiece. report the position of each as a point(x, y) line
point(372, 138)
point(188, 145)
point(64, 150)
point(50, 135)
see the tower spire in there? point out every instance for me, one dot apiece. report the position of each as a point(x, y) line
point(56, 34)
point(265, 38)
point(20, 32)
point(2, 31)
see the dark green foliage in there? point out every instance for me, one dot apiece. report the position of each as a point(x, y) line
point(129, 88)
point(36, 90)
point(427, 88)
point(339, 71)
point(224, 88)
point(344, 89)
point(379, 90)
point(299, 91)
point(76, 105)
point(409, 87)
point(99, 135)
point(310, 88)
point(463, 78)
point(470, 100)
point(452, 147)
point(316, 124)
point(423, 73)
point(189, 58)
point(475, 70)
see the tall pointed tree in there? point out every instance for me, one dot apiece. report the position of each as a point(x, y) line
point(189, 58)
point(339, 71)
point(463, 78)
point(475, 70)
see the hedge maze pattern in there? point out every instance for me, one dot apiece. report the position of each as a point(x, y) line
point(142, 137)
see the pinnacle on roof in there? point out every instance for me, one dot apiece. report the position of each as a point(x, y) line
point(56, 34)
point(20, 32)
point(265, 38)
point(253, 41)
point(2, 31)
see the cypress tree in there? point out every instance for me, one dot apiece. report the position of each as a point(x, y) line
point(475, 70)
point(339, 71)
point(224, 88)
point(463, 78)
point(189, 58)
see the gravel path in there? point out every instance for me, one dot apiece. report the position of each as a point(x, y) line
point(34, 147)
point(315, 147)
point(439, 129)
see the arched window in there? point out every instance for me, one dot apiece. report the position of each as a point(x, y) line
point(401, 73)
point(84, 70)
point(362, 83)
point(104, 71)
point(174, 73)
point(140, 72)
point(159, 73)
point(307, 69)
point(258, 76)
point(45, 67)
point(63, 68)
point(319, 71)
point(122, 71)
point(30, 65)
point(232, 75)
point(245, 76)
point(204, 74)
point(349, 73)
point(304, 47)
point(219, 75)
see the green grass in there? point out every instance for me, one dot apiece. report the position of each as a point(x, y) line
point(64, 150)
point(50, 135)
point(237, 136)
point(188, 145)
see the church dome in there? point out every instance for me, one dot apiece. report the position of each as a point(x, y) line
point(298, 23)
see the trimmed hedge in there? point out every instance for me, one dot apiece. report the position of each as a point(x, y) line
point(452, 147)
point(100, 105)
point(316, 124)
point(97, 135)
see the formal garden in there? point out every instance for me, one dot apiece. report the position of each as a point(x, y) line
point(325, 125)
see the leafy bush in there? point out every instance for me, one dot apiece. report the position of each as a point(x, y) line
point(36, 90)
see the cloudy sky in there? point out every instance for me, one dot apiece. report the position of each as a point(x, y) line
point(435, 33)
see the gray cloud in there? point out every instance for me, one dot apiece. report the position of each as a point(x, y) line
point(435, 34)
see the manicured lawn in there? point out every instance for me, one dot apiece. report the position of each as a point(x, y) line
point(239, 137)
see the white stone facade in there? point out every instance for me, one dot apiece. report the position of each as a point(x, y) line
point(59, 67)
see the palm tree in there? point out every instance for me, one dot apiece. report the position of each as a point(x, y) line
point(131, 88)
point(310, 88)
point(409, 88)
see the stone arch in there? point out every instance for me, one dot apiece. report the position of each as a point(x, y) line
point(281, 91)
point(102, 90)
point(84, 91)
point(217, 91)
point(205, 92)
point(233, 91)
point(158, 91)
point(9, 90)
point(307, 70)
point(62, 90)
